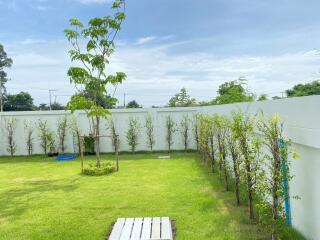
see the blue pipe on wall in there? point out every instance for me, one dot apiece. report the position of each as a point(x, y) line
point(282, 145)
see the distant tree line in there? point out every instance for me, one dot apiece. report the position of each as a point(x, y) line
point(228, 92)
point(236, 91)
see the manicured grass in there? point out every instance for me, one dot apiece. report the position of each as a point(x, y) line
point(44, 199)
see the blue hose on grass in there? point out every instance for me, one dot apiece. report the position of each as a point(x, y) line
point(66, 157)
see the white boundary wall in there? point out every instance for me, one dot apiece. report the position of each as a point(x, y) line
point(302, 126)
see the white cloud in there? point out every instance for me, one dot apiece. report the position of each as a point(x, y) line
point(156, 72)
point(17, 6)
point(144, 40)
point(93, 1)
point(39, 7)
point(149, 39)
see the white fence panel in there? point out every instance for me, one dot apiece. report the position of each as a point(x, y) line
point(302, 126)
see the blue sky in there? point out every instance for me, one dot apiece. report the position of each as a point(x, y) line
point(168, 44)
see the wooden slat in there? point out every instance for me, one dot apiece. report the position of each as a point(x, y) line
point(146, 229)
point(166, 229)
point(136, 230)
point(142, 229)
point(117, 229)
point(127, 229)
point(155, 233)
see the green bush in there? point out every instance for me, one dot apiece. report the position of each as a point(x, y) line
point(104, 169)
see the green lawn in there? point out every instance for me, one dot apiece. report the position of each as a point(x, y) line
point(44, 199)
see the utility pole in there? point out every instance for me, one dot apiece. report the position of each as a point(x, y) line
point(50, 91)
point(124, 100)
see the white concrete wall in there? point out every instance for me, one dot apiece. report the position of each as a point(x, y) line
point(302, 126)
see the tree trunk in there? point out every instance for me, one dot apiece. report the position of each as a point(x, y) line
point(62, 145)
point(275, 187)
point(81, 150)
point(225, 171)
point(97, 141)
point(234, 156)
point(213, 160)
point(117, 152)
point(249, 189)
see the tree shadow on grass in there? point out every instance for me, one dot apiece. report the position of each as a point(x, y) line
point(233, 216)
point(14, 202)
point(26, 159)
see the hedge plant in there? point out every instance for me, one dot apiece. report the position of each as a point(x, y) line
point(133, 133)
point(105, 168)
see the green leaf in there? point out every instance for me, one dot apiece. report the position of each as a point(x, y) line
point(97, 111)
point(71, 34)
point(120, 16)
point(79, 102)
point(76, 22)
point(78, 75)
point(117, 4)
point(91, 45)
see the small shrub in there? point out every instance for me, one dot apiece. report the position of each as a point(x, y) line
point(74, 127)
point(62, 132)
point(149, 131)
point(195, 129)
point(184, 130)
point(170, 130)
point(133, 133)
point(10, 127)
point(43, 135)
point(105, 168)
point(47, 138)
point(51, 144)
point(29, 129)
point(114, 134)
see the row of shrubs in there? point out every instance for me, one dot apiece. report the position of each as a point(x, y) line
point(250, 155)
point(52, 142)
point(47, 138)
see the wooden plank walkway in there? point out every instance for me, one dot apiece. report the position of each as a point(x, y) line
point(156, 228)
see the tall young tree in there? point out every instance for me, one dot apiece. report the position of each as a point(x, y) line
point(44, 135)
point(195, 129)
point(29, 129)
point(204, 133)
point(170, 130)
point(10, 127)
point(276, 161)
point(5, 62)
point(133, 133)
point(243, 129)
point(185, 131)
point(234, 151)
point(115, 141)
point(92, 46)
point(149, 131)
point(75, 129)
point(62, 132)
point(221, 126)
